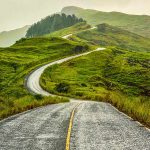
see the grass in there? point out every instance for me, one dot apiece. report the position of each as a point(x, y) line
point(106, 35)
point(114, 75)
point(11, 107)
point(70, 30)
point(20, 59)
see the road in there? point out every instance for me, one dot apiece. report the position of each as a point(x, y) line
point(32, 82)
point(96, 126)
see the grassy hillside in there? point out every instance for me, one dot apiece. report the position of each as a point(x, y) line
point(106, 35)
point(117, 76)
point(18, 60)
point(70, 30)
point(134, 23)
point(8, 38)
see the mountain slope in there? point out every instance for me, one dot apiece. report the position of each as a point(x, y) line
point(70, 30)
point(139, 24)
point(107, 35)
point(8, 38)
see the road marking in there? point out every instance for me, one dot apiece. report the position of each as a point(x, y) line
point(70, 127)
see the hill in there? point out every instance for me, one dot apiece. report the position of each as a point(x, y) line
point(52, 23)
point(139, 24)
point(107, 35)
point(8, 38)
point(82, 26)
point(20, 59)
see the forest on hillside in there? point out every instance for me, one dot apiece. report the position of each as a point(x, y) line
point(52, 23)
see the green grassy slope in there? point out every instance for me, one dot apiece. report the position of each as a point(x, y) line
point(8, 38)
point(70, 30)
point(106, 35)
point(134, 23)
point(117, 76)
point(18, 60)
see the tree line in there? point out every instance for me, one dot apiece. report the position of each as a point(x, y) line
point(52, 23)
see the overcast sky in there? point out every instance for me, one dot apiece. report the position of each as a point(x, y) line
point(18, 13)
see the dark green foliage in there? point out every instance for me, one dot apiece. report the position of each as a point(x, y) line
point(51, 24)
point(62, 87)
point(80, 48)
point(38, 97)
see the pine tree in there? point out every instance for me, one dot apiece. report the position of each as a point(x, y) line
point(51, 24)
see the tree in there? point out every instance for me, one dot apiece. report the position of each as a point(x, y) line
point(52, 23)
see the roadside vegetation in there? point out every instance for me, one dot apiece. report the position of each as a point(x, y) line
point(17, 61)
point(115, 75)
point(14, 106)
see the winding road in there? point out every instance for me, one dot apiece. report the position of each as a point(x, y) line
point(76, 125)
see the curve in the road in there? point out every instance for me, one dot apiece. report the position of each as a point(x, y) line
point(33, 80)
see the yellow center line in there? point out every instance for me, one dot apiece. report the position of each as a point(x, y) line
point(70, 128)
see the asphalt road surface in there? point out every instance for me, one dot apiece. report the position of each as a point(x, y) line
point(96, 126)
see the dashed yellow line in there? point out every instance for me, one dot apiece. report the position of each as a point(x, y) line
point(70, 128)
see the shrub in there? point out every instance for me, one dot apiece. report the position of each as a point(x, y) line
point(38, 97)
point(62, 87)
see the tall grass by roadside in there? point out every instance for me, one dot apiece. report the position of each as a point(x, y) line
point(136, 107)
point(10, 107)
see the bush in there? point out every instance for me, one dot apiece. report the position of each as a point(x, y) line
point(62, 87)
point(38, 97)
point(80, 48)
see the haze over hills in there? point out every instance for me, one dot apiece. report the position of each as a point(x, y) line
point(8, 38)
point(139, 24)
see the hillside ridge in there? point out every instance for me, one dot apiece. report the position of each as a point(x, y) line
point(138, 24)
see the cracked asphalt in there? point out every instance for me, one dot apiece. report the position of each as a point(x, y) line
point(96, 126)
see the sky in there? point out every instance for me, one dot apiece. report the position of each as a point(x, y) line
point(18, 13)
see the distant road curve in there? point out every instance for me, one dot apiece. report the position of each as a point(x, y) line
point(67, 36)
point(33, 80)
